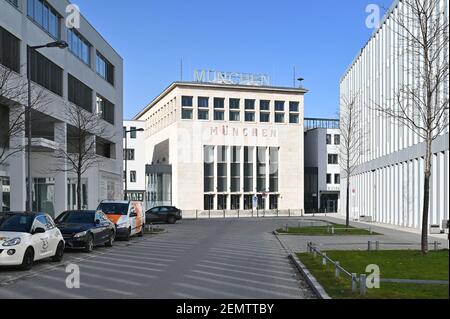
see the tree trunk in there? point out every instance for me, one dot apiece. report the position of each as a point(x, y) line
point(79, 191)
point(426, 199)
point(347, 203)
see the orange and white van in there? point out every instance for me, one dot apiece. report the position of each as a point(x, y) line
point(128, 216)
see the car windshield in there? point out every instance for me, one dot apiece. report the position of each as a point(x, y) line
point(76, 217)
point(114, 208)
point(19, 223)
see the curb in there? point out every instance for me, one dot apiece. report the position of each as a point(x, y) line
point(310, 279)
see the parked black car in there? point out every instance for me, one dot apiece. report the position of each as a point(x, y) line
point(86, 229)
point(163, 214)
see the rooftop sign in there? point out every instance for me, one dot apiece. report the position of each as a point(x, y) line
point(210, 76)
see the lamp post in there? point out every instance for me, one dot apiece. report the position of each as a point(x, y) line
point(59, 45)
point(126, 159)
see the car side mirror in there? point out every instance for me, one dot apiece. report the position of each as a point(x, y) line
point(39, 230)
point(97, 222)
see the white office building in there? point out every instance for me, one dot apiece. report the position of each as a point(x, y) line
point(322, 169)
point(134, 160)
point(225, 147)
point(89, 73)
point(388, 183)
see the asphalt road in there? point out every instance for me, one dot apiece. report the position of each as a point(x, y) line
point(217, 259)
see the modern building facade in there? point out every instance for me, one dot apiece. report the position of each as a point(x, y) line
point(322, 170)
point(89, 74)
point(134, 155)
point(388, 183)
point(216, 146)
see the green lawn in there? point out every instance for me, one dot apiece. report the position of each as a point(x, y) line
point(339, 230)
point(405, 264)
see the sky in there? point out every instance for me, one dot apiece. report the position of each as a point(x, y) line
point(320, 38)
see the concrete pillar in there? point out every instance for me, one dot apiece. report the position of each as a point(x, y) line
point(60, 130)
point(17, 171)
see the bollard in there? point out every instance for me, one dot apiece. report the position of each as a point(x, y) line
point(332, 230)
point(369, 246)
point(324, 259)
point(353, 282)
point(337, 270)
point(377, 245)
point(362, 284)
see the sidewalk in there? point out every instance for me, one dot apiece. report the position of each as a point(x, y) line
point(391, 238)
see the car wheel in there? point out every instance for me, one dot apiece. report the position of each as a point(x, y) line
point(59, 254)
point(89, 244)
point(128, 235)
point(171, 220)
point(110, 241)
point(28, 259)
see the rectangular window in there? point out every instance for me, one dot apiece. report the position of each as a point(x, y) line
point(208, 168)
point(235, 116)
point(235, 169)
point(222, 171)
point(104, 68)
point(261, 202)
point(79, 46)
point(222, 202)
point(329, 179)
point(294, 107)
point(279, 106)
point(106, 111)
point(249, 116)
point(261, 169)
point(219, 103)
point(235, 202)
point(264, 117)
point(337, 139)
point(79, 93)
point(9, 50)
point(249, 104)
point(333, 159)
point(219, 115)
point(273, 169)
point(203, 114)
point(186, 107)
point(203, 102)
point(132, 176)
point(128, 154)
point(279, 117)
point(46, 73)
point(293, 118)
point(264, 105)
point(248, 169)
point(235, 104)
point(337, 179)
point(133, 132)
point(248, 202)
point(328, 139)
point(45, 16)
point(208, 202)
point(273, 201)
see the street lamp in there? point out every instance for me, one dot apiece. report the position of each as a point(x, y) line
point(126, 159)
point(59, 45)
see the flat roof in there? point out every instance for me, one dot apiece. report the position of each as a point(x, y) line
point(172, 86)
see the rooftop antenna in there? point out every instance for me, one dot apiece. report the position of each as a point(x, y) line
point(301, 82)
point(293, 79)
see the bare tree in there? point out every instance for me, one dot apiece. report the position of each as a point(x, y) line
point(14, 110)
point(421, 104)
point(80, 153)
point(352, 146)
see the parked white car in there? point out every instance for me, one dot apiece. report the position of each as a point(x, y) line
point(28, 237)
